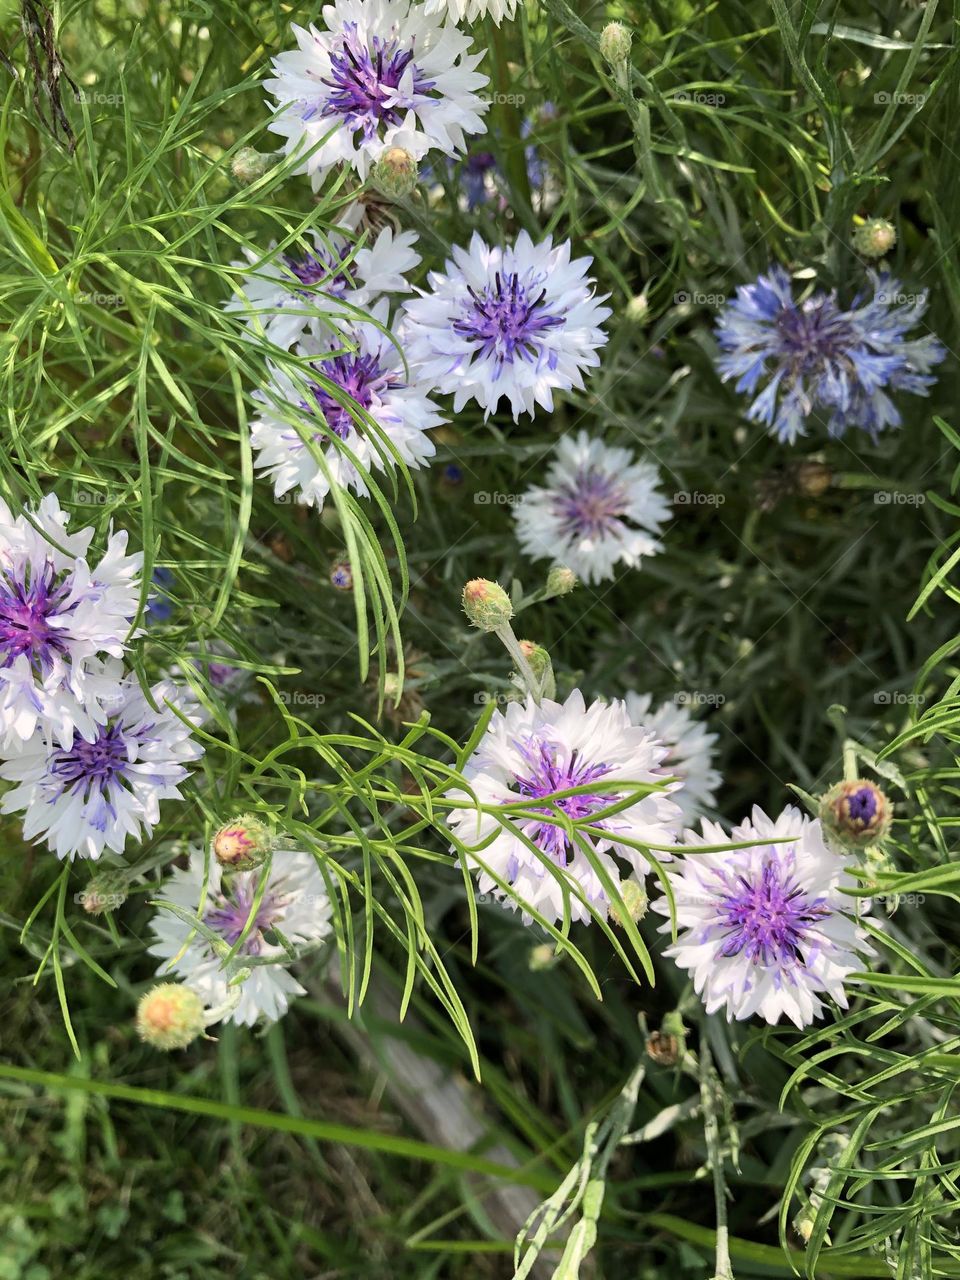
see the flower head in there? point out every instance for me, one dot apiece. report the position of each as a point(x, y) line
point(329, 274)
point(293, 902)
point(519, 323)
point(63, 623)
point(528, 754)
point(599, 508)
point(764, 930)
point(344, 386)
point(875, 238)
point(690, 751)
point(93, 794)
point(384, 73)
point(486, 604)
point(815, 355)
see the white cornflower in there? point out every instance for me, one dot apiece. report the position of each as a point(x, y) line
point(474, 10)
point(521, 322)
point(91, 795)
point(282, 295)
point(384, 73)
point(689, 751)
point(598, 508)
point(531, 752)
point(765, 930)
point(62, 620)
point(372, 376)
point(294, 903)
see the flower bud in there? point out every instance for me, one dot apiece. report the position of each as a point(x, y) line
point(856, 813)
point(812, 479)
point(341, 576)
point(541, 957)
point(875, 238)
point(486, 604)
point(637, 309)
point(615, 42)
point(243, 843)
point(668, 1045)
point(634, 899)
point(170, 1016)
point(105, 892)
point(395, 173)
point(561, 580)
point(249, 165)
point(537, 658)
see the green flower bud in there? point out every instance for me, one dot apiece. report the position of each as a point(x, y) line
point(249, 165)
point(243, 843)
point(561, 580)
point(634, 899)
point(105, 892)
point(875, 238)
point(486, 604)
point(615, 42)
point(395, 173)
point(170, 1016)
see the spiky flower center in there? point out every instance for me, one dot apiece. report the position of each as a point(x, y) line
point(508, 318)
point(92, 766)
point(373, 84)
point(551, 769)
point(769, 919)
point(28, 607)
point(590, 504)
point(361, 377)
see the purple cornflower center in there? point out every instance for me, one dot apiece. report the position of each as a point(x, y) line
point(220, 674)
point(323, 269)
point(91, 765)
point(230, 915)
point(590, 504)
point(25, 612)
point(862, 806)
point(769, 919)
point(550, 770)
point(508, 318)
point(366, 82)
point(363, 379)
point(815, 334)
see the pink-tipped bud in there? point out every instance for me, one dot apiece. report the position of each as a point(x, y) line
point(170, 1016)
point(486, 604)
point(242, 843)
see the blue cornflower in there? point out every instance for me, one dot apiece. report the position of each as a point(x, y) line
point(817, 355)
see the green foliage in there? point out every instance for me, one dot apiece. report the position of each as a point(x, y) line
point(743, 135)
